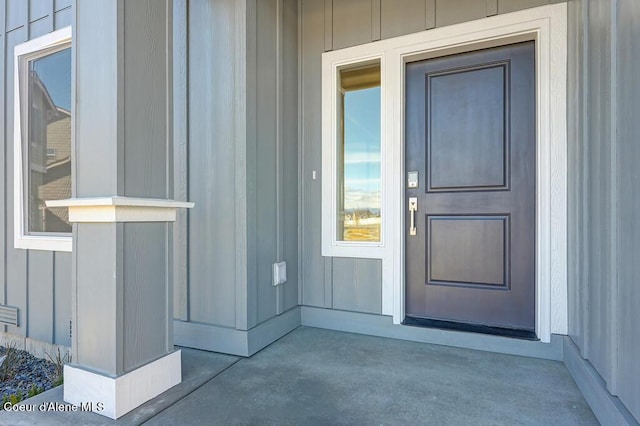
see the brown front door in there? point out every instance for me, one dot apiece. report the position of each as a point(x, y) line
point(470, 136)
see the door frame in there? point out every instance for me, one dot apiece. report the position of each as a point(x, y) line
point(547, 26)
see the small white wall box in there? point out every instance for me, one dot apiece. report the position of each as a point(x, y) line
point(279, 273)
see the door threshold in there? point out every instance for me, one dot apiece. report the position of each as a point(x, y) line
point(470, 328)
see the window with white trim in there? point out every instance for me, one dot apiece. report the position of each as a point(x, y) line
point(358, 154)
point(352, 160)
point(42, 141)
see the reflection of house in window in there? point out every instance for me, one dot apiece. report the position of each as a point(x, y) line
point(49, 174)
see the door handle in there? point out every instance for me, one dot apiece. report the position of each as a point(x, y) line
point(413, 208)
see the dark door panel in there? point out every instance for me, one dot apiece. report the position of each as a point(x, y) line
point(470, 132)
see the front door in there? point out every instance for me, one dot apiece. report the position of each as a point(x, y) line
point(471, 173)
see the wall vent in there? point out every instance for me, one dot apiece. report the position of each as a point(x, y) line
point(8, 315)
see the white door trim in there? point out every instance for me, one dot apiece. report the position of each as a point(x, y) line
point(547, 25)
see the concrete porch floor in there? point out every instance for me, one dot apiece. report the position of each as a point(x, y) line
point(321, 377)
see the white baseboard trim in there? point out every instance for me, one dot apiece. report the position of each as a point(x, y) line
point(114, 397)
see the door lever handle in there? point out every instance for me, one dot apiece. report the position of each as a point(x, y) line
point(413, 208)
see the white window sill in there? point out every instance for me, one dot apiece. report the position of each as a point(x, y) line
point(49, 243)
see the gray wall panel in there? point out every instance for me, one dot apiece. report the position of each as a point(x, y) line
point(357, 285)
point(62, 299)
point(454, 11)
point(599, 166)
point(223, 234)
point(62, 4)
point(16, 14)
point(145, 292)
point(99, 337)
point(271, 156)
point(39, 9)
point(290, 160)
point(628, 178)
point(267, 149)
point(352, 22)
point(97, 120)
point(146, 145)
point(40, 295)
point(63, 18)
point(603, 156)
point(402, 17)
point(577, 153)
point(41, 26)
point(313, 43)
point(506, 6)
point(212, 242)
point(3, 133)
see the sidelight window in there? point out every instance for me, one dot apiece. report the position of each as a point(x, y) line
point(353, 156)
point(358, 154)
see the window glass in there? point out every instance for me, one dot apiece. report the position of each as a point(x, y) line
point(48, 147)
point(359, 152)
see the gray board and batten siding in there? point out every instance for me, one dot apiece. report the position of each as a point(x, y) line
point(36, 282)
point(346, 283)
point(248, 166)
point(243, 174)
point(236, 156)
point(604, 206)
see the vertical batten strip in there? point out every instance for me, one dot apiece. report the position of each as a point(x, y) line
point(243, 10)
point(52, 26)
point(73, 335)
point(53, 301)
point(328, 262)
point(51, 15)
point(252, 162)
point(492, 7)
point(576, 152)
point(430, 14)
point(375, 19)
point(328, 25)
point(180, 158)
point(168, 112)
point(301, 169)
point(3, 130)
point(27, 21)
point(613, 332)
point(328, 282)
point(586, 143)
point(279, 152)
point(25, 324)
point(169, 279)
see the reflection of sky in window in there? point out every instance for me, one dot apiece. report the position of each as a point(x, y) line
point(362, 149)
point(55, 73)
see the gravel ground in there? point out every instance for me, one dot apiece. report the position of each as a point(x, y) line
point(29, 371)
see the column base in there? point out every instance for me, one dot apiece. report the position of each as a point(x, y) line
point(115, 397)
